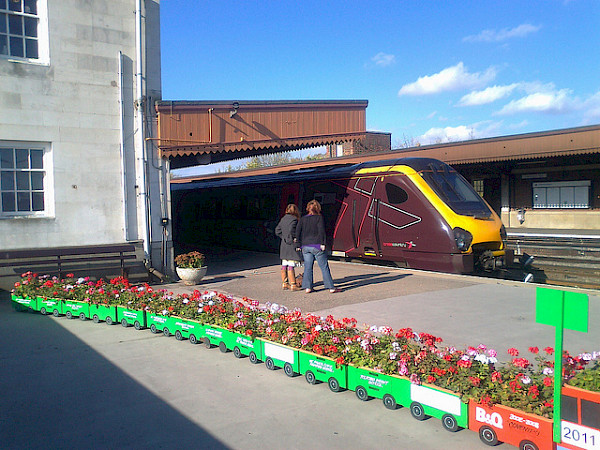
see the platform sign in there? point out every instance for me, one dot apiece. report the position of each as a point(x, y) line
point(561, 309)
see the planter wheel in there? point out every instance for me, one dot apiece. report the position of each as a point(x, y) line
point(389, 402)
point(55, 313)
point(289, 370)
point(449, 423)
point(193, 339)
point(109, 320)
point(153, 329)
point(269, 363)
point(417, 411)
point(237, 352)
point(124, 323)
point(82, 316)
point(178, 335)
point(334, 385)
point(488, 436)
point(96, 319)
point(253, 358)
point(69, 315)
point(362, 393)
point(137, 325)
point(527, 445)
point(222, 347)
point(207, 342)
point(166, 332)
point(43, 311)
point(310, 377)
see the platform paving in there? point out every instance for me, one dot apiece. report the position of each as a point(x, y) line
point(74, 384)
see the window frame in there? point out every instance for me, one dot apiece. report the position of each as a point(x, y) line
point(43, 57)
point(47, 183)
point(560, 187)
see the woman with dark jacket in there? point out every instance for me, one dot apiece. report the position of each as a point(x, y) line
point(286, 230)
point(310, 233)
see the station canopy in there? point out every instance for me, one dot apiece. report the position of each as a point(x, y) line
point(192, 133)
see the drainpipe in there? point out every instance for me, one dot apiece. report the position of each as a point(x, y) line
point(122, 140)
point(141, 131)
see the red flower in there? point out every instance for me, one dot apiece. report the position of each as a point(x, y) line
point(549, 350)
point(475, 381)
point(533, 392)
point(521, 362)
point(534, 350)
point(248, 332)
point(497, 377)
point(513, 352)
point(431, 379)
point(547, 381)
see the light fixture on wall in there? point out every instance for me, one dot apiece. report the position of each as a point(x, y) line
point(234, 111)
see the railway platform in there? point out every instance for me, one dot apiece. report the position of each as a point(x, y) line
point(462, 310)
point(116, 387)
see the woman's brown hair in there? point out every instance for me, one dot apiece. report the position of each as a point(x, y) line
point(313, 207)
point(293, 210)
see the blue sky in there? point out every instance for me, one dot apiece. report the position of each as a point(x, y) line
point(432, 71)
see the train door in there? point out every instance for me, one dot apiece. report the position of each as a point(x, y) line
point(349, 233)
point(393, 221)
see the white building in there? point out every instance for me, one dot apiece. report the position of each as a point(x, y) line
point(79, 166)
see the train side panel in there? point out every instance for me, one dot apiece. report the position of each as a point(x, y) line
point(580, 424)
point(499, 423)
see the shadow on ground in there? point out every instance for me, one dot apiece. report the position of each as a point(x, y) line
point(57, 392)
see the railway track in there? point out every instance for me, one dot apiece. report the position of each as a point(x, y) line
point(563, 260)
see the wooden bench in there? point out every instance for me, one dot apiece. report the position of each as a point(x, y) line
point(89, 260)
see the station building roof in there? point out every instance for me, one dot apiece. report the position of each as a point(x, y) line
point(530, 146)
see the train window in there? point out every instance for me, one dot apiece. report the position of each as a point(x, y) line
point(569, 409)
point(365, 185)
point(455, 191)
point(395, 194)
point(590, 414)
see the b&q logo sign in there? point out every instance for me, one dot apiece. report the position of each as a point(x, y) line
point(493, 419)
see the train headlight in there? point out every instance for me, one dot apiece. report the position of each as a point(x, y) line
point(463, 239)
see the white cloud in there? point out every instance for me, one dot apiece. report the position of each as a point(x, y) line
point(460, 133)
point(591, 108)
point(488, 95)
point(545, 101)
point(450, 79)
point(503, 34)
point(383, 59)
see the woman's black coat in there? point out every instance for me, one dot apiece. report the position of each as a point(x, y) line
point(286, 231)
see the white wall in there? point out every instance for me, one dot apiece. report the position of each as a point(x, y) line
point(73, 104)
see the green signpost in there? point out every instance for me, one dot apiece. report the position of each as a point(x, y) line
point(560, 309)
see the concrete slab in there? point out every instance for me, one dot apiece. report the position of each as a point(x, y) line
point(73, 384)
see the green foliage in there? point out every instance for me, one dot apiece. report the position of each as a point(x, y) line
point(191, 260)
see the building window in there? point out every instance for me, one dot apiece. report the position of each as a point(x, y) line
point(562, 194)
point(23, 180)
point(478, 186)
point(23, 28)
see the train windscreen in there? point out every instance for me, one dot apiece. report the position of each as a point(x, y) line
point(455, 191)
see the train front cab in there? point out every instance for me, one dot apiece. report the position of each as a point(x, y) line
point(404, 213)
point(580, 424)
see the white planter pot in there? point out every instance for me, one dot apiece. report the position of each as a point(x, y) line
point(192, 276)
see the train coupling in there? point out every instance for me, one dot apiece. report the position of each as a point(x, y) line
point(496, 259)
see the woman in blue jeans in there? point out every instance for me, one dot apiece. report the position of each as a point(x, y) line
point(310, 233)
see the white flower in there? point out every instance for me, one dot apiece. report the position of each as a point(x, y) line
point(547, 371)
point(525, 379)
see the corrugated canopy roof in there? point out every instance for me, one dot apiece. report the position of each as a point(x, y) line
point(565, 142)
point(191, 133)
